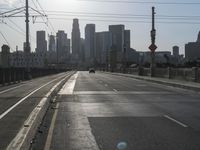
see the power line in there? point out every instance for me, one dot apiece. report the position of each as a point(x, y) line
point(143, 2)
point(48, 21)
point(116, 14)
point(6, 40)
point(130, 17)
point(128, 21)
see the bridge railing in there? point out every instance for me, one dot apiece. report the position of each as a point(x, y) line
point(187, 74)
point(14, 75)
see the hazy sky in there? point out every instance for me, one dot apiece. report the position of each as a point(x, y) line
point(168, 34)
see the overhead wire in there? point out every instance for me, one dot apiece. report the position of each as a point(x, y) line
point(6, 40)
point(51, 28)
point(127, 21)
point(143, 2)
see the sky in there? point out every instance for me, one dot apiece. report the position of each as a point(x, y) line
point(172, 24)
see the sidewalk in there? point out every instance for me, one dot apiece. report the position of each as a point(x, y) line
point(170, 82)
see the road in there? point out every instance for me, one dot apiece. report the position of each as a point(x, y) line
point(18, 101)
point(107, 112)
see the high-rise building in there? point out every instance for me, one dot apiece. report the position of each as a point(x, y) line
point(76, 40)
point(99, 47)
point(52, 43)
point(103, 45)
point(127, 39)
point(192, 49)
point(175, 51)
point(63, 47)
point(117, 32)
point(5, 56)
point(198, 38)
point(41, 42)
point(90, 51)
point(82, 54)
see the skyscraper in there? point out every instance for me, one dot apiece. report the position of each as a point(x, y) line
point(52, 43)
point(198, 38)
point(76, 41)
point(192, 49)
point(41, 42)
point(63, 49)
point(118, 40)
point(103, 45)
point(175, 51)
point(90, 51)
point(127, 38)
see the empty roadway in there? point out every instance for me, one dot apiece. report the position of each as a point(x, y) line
point(104, 110)
point(17, 102)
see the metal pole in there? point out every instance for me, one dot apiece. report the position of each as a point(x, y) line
point(153, 36)
point(27, 46)
point(27, 49)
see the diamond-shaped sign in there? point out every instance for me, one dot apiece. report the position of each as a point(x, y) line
point(153, 47)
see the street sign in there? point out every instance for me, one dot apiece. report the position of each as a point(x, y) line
point(152, 47)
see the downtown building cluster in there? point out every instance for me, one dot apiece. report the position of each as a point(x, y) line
point(105, 49)
point(110, 50)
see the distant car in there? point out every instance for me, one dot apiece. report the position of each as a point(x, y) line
point(91, 70)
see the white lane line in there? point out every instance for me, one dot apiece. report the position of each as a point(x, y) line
point(68, 88)
point(7, 90)
point(20, 101)
point(115, 90)
point(4, 91)
point(176, 121)
point(51, 129)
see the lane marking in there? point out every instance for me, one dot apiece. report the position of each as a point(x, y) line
point(121, 92)
point(7, 90)
point(23, 99)
point(115, 90)
point(4, 91)
point(176, 121)
point(68, 88)
point(51, 129)
point(33, 120)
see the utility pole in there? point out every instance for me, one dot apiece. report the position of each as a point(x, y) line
point(27, 45)
point(153, 46)
point(27, 48)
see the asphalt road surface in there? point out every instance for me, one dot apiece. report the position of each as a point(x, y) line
point(17, 102)
point(106, 112)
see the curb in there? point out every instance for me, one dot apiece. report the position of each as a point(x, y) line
point(194, 88)
point(25, 135)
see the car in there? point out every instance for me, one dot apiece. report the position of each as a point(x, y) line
point(91, 70)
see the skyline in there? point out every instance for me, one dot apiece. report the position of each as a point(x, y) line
point(168, 34)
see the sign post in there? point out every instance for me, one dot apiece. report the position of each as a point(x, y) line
point(153, 46)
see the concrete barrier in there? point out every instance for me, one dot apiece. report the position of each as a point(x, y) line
point(23, 139)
